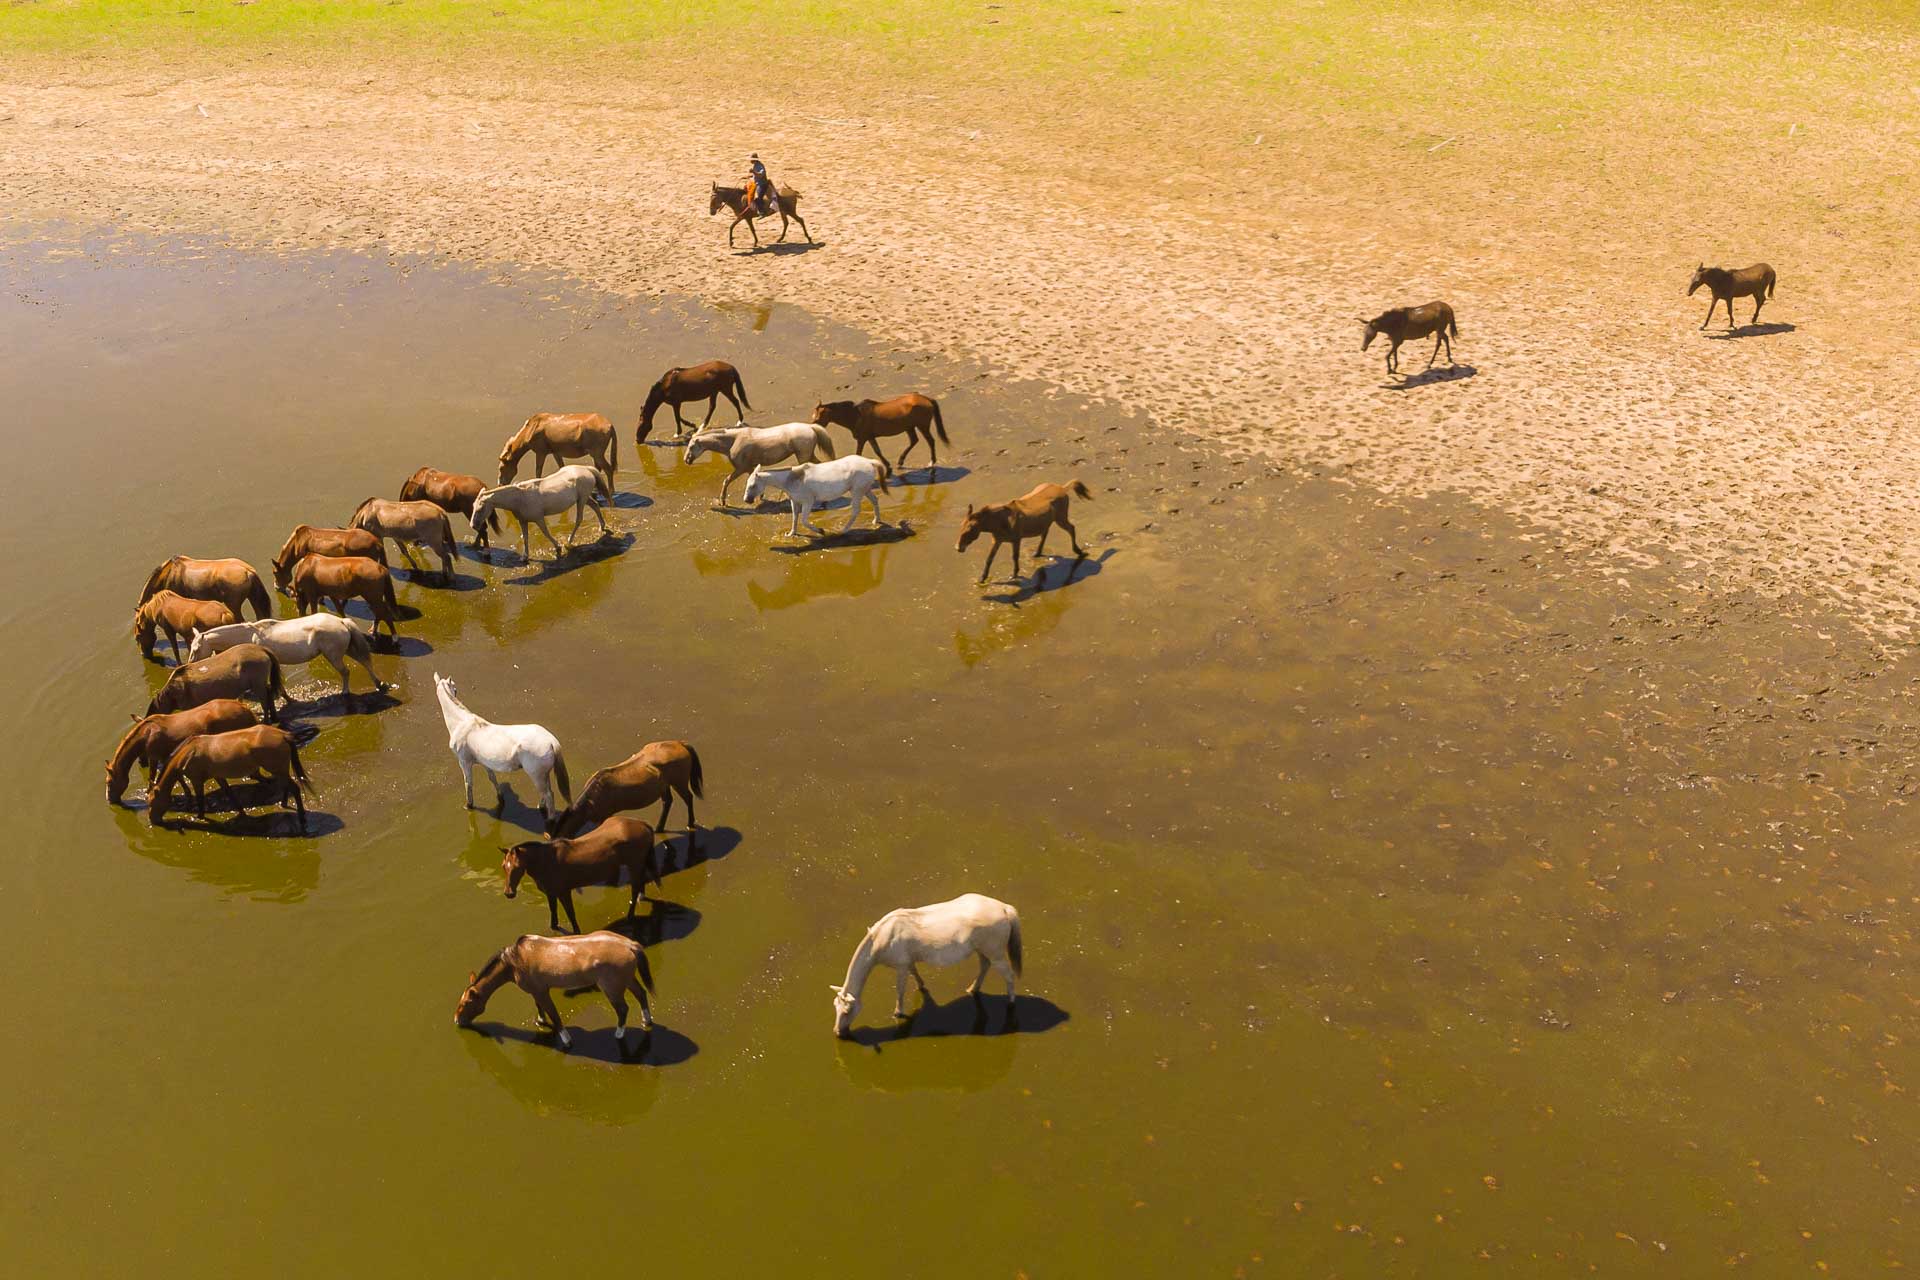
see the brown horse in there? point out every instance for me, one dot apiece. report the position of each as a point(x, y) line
point(311, 540)
point(915, 415)
point(734, 199)
point(177, 615)
point(452, 492)
point(561, 436)
point(231, 582)
point(654, 772)
point(1754, 282)
point(421, 523)
point(619, 848)
point(244, 671)
point(1036, 511)
point(153, 739)
point(611, 961)
point(1404, 324)
point(678, 386)
point(262, 753)
point(338, 579)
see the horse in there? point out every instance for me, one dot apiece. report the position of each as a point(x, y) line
point(231, 582)
point(944, 933)
point(1035, 511)
point(678, 386)
point(561, 436)
point(338, 579)
point(618, 850)
point(532, 501)
point(244, 671)
point(813, 483)
point(422, 523)
point(451, 491)
point(916, 415)
point(297, 640)
point(502, 748)
point(611, 961)
point(177, 615)
point(261, 753)
point(1754, 282)
point(153, 739)
point(310, 540)
point(654, 772)
point(750, 447)
point(1404, 324)
point(734, 199)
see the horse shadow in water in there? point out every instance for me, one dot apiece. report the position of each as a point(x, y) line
point(864, 536)
point(713, 844)
point(510, 810)
point(1766, 330)
point(922, 477)
point(605, 547)
point(1044, 579)
point(625, 501)
point(981, 1015)
point(435, 580)
point(1428, 377)
point(660, 1047)
point(663, 921)
point(265, 817)
point(338, 706)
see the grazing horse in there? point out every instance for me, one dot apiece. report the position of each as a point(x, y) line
point(734, 199)
point(338, 579)
point(231, 582)
point(309, 540)
point(261, 753)
point(678, 386)
point(944, 933)
point(502, 748)
point(177, 615)
point(611, 961)
point(915, 415)
point(1754, 282)
point(297, 640)
point(561, 436)
point(1035, 511)
point(422, 523)
point(244, 671)
point(1404, 324)
point(750, 447)
point(153, 739)
point(654, 772)
point(618, 851)
point(813, 484)
point(451, 491)
point(532, 501)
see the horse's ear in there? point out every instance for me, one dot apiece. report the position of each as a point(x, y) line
point(969, 508)
point(836, 988)
point(472, 977)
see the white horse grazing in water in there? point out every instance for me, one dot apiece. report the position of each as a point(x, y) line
point(813, 484)
point(944, 933)
point(502, 748)
point(296, 640)
point(750, 447)
point(532, 501)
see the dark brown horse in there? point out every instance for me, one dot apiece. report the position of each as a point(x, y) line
point(153, 739)
point(244, 671)
point(1033, 512)
point(1404, 324)
point(311, 540)
point(231, 582)
point(262, 753)
point(654, 772)
point(452, 492)
point(338, 579)
point(618, 850)
point(1754, 282)
point(734, 199)
point(916, 416)
point(678, 386)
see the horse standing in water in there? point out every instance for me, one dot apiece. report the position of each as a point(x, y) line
point(1754, 282)
point(244, 671)
point(178, 616)
point(813, 484)
point(734, 199)
point(452, 492)
point(678, 386)
point(532, 501)
point(944, 933)
point(261, 753)
point(308, 540)
point(502, 748)
point(1035, 511)
point(618, 851)
point(296, 640)
point(561, 436)
point(231, 582)
point(654, 772)
point(153, 739)
point(422, 523)
point(613, 962)
point(750, 447)
point(915, 416)
point(338, 579)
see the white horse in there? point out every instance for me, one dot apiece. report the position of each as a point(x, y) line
point(813, 484)
point(295, 640)
point(502, 748)
point(532, 501)
point(944, 933)
point(750, 447)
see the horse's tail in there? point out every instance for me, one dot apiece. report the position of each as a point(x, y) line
point(393, 601)
point(883, 478)
point(156, 580)
point(1013, 945)
point(613, 449)
point(696, 776)
point(938, 424)
point(299, 770)
point(822, 441)
point(358, 646)
point(1453, 326)
point(1081, 491)
point(560, 776)
point(354, 521)
point(640, 969)
point(740, 387)
point(1773, 278)
point(257, 597)
point(273, 678)
point(446, 540)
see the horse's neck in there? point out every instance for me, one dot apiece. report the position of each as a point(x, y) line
point(458, 718)
point(861, 966)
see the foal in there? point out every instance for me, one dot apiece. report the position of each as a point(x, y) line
point(1036, 511)
point(618, 850)
point(1754, 282)
point(611, 961)
point(1404, 324)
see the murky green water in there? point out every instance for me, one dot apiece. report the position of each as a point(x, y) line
point(1401, 896)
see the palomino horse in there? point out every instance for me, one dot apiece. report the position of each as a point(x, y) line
point(310, 540)
point(944, 933)
point(813, 484)
point(177, 615)
point(1404, 324)
point(502, 748)
point(734, 199)
point(297, 640)
point(678, 386)
point(1754, 282)
point(917, 416)
point(338, 579)
point(532, 501)
point(654, 772)
point(421, 523)
point(1035, 511)
point(153, 739)
point(231, 582)
point(451, 491)
point(618, 851)
point(750, 447)
point(244, 671)
point(610, 961)
point(262, 753)
point(561, 436)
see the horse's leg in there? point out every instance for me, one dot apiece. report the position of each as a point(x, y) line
point(1073, 536)
point(900, 992)
point(925, 994)
point(646, 1009)
point(803, 227)
point(913, 438)
point(992, 551)
point(604, 531)
point(545, 1000)
point(553, 541)
point(666, 807)
point(875, 503)
point(299, 805)
point(740, 419)
point(1449, 341)
point(783, 228)
point(1016, 557)
point(1040, 548)
point(466, 772)
point(200, 797)
point(1711, 304)
point(1756, 309)
point(566, 900)
point(713, 402)
point(611, 990)
point(526, 548)
point(499, 793)
point(579, 515)
point(679, 421)
point(686, 794)
point(1005, 970)
point(1436, 350)
point(754, 232)
point(978, 978)
point(809, 520)
point(730, 227)
point(553, 912)
point(340, 665)
point(228, 794)
point(411, 562)
point(728, 484)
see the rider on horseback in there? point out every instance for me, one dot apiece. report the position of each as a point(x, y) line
point(760, 188)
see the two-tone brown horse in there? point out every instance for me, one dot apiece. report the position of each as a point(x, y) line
point(312, 540)
point(420, 523)
point(244, 671)
point(561, 436)
point(734, 200)
point(655, 772)
point(915, 416)
point(678, 386)
point(1405, 324)
point(1754, 282)
point(334, 580)
point(452, 492)
point(178, 616)
point(153, 739)
point(1033, 512)
point(618, 851)
point(260, 754)
point(610, 961)
point(231, 582)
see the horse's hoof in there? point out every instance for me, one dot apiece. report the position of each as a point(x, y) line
point(619, 1033)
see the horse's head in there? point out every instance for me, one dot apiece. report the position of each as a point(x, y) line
point(718, 202)
point(756, 485)
point(656, 396)
point(845, 1006)
point(143, 627)
point(1372, 328)
point(513, 863)
point(834, 413)
point(479, 986)
point(701, 442)
point(971, 527)
point(120, 766)
point(482, 515)
point(1699, 278)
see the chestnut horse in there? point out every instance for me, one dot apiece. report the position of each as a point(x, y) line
point(1404, 324)
point(1754, 282)
point(311, 540)
point(262, 753)
point(734, 199)
point(421, 523)
point(619, 850)
point(153, 739)
point(915, 415)
point(178, 616)
point(244, 671)
point(678, 386)
point(561, 436)
point(611, 961)
point(654, 772)
point(451, 491)
point(338, 579)
point(1036, 511)
point(231, 582)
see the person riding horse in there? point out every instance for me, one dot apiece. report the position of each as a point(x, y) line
point(760, 188)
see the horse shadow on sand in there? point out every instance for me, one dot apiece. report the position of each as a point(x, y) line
point(1045, 578)
point(1428, 377)
point(660, 1047)
point(981, 1015)
point(778, 248)
point(1766, 330)
point(865, 536)
point(606, 547)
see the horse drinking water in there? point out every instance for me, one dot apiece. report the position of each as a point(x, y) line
point(656, 771)
point(1404, 324)
point(532, 501)
point(678, 386)
point(561, 436)
point(613, 962)
point(1754, 282)
point(944, 933)
point(502, 748)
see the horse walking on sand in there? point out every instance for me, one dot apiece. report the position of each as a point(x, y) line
point(1754, 282)
point(502, 748)
point(1035, 511)
point(154, 738)
point(610, 961)
point(244, 671)
point(561, 436)
point(451, 491)
point(1404, 324)
point(297, 640)
point(311, 540)
point(734, 200)
point(532, 501)
point(231, 582)
point(420, 523)
point(178, 616)
point(750, 447)
point(915, 416)
point(655, 772)
point(678, 386)
point(260, 754)
point(618, 851)
point(335, 580)
point(944, 933)
point(814, 484)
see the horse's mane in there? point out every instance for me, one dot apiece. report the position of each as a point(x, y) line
point(124, 747)
point(492, 966)
point(154, 578)
point(357, 510)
